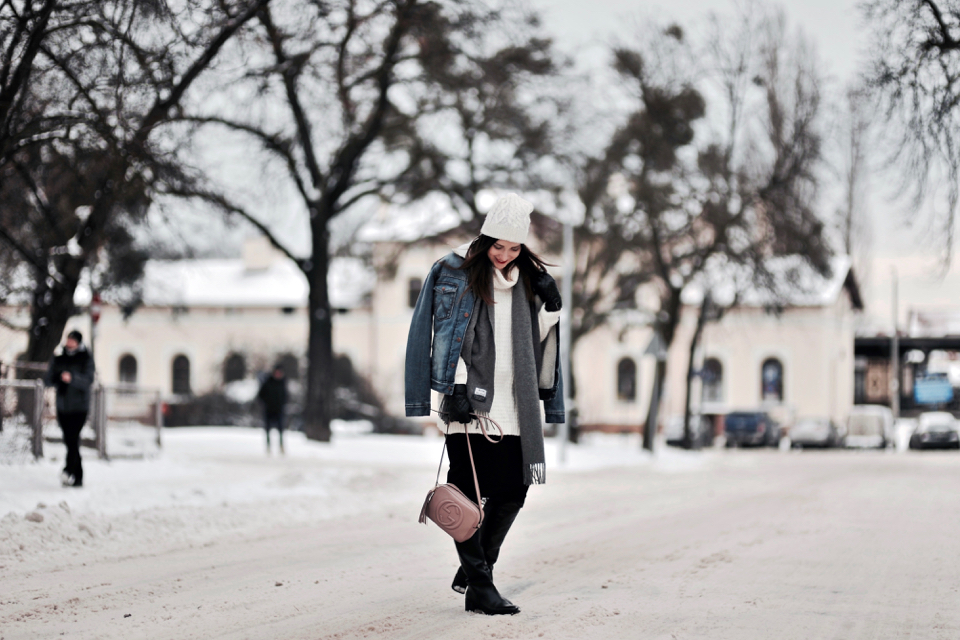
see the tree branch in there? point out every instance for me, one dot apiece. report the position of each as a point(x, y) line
point(947, 41)
point(229, 207)
point(344, 164)
point(346, 104)
point(27, 255)
point(161, 109)
point(41, 199)
point(272, 142)
point(23, 70)
point(289, 75)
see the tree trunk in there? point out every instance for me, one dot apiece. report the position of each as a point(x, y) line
point(694, 344)
point(667, 328)
point(52, 308)
point(650, 427)
point(318, 408)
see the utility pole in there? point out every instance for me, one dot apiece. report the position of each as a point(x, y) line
point(566, 319)
point(895, 354)
point(96, 305)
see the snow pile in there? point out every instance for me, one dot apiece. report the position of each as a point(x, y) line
point(15, 440)
point(211, 483)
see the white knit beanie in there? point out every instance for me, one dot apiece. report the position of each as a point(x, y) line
point(508, 219)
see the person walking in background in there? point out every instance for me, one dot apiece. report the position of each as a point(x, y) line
point(273, 394)
point(485, 334)
point(72, 372)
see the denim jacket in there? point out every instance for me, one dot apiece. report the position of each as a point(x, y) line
point(439, 322)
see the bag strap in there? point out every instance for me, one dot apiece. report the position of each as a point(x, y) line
point(483, 430)
point(473, 466)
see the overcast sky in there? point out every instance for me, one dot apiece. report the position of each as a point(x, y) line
point(585, 27)
point(840, 37)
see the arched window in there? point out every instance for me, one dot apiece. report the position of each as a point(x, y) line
point(627, 380)
point(181, 375)
point(413, 291)
point(712, 378)
point(234, 368)
point(771, 380)
point(291, 366)
point(127, 369)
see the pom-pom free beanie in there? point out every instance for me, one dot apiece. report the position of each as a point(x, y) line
point(508, 219)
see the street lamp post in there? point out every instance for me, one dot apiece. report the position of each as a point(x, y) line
point(895, 355)
point(96, 305)
point(566, 319)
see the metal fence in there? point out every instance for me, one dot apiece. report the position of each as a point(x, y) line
point(123, 421)
point(21, 418)
point(129, 420)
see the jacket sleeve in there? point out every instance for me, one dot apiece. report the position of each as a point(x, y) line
point(85, 379)
point(419, 339)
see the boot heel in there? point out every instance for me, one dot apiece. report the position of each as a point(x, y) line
point(459, 582)
point(488, 601)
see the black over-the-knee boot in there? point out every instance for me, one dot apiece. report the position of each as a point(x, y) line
point(498, 517)
point(481, 595)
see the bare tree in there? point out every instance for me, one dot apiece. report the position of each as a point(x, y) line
point(87, 88)
point(687, 207)
point(852, 221)
point(915, 71)
point(359, 102)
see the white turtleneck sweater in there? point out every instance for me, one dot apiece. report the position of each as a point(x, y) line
point(504, 407)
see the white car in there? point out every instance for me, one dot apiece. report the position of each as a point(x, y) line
point(816, 432)
point(869, 426)
point(936, 429)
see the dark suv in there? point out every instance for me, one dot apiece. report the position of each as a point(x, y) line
point(751, 428)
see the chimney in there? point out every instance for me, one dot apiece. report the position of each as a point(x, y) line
point(259, 254)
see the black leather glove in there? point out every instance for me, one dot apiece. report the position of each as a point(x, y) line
point(546, 288)
point(458, 405)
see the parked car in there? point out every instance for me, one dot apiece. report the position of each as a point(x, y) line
point(816, 432)
point(869, 426)
point(751, 428)
point(701, 430)
point(936, 429)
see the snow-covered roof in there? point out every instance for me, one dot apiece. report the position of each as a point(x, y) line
point(933, 323)
point(796, 284)
point(231, 283)
point(435, 215)
point(428, 217)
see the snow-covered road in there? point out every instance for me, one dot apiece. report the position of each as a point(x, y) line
point(215, 540)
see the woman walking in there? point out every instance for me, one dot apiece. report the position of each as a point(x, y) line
point(485, 335)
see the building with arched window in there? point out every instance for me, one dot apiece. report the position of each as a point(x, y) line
point(205, 322)
point(794, 359)
point(711, 380)
point(234, 368)
point(771, 381)
point(627, 380)
point(127, 369)
point(180, 375)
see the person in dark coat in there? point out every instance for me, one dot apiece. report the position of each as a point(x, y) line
point(273, 394)
point(72, 372)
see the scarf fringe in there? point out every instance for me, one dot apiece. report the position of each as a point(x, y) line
point(535, 473)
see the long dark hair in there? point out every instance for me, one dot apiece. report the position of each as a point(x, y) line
point(480, 270)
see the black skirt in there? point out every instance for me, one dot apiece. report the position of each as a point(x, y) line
point(499, 466)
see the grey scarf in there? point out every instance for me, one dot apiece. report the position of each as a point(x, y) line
point(479, 354)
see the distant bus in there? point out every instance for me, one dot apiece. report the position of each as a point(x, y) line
point(932, 389)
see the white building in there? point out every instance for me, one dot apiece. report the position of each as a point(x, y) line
point(207, 322)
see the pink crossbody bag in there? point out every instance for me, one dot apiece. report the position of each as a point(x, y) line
point(449, 507)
